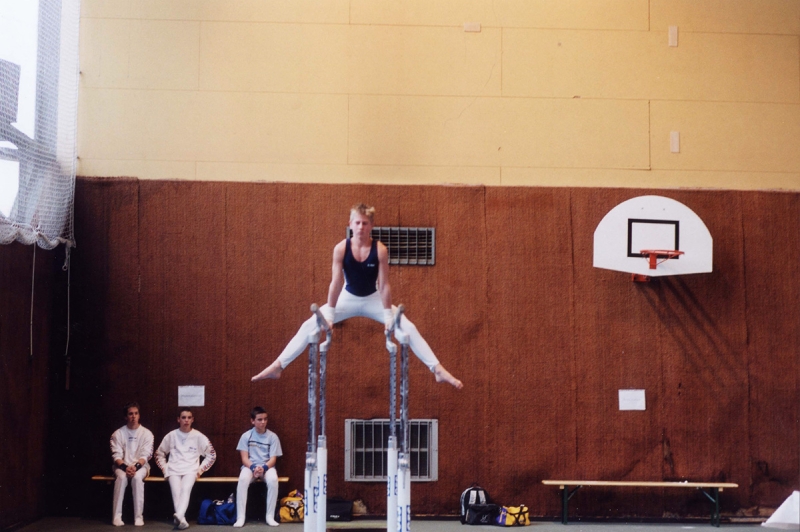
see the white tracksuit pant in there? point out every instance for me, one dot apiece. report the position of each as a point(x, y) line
point(137, 490)
point(181, 488)
point(350, 306)
point(245, 479)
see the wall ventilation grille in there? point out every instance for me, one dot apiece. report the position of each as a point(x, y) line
point(366, 443)
point(413, 246)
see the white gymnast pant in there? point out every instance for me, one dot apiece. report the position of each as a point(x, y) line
point(181, 488)
point(350, 306)
point(137, 489)
point(245, 479)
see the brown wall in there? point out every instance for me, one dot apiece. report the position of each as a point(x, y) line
point(178, 283)
point(24, 380)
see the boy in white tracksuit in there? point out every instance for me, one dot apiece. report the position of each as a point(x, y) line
point(131, 450)
point(259, 449)
point(178, 456)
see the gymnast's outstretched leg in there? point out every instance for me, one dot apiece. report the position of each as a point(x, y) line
point(369, 307)
point(372, 308)
point(348, 306)
point(292, 350)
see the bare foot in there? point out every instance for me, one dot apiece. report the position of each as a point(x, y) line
point(273, 371)
point(442, 375)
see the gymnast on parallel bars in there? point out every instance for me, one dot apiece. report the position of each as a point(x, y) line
point(361, 267)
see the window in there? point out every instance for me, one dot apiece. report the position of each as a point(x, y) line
point(415, 246)
point(366, 441)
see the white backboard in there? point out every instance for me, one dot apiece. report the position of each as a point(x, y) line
point(652, 222)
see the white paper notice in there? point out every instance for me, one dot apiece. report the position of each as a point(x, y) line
point(631, 400)
point(191, 395)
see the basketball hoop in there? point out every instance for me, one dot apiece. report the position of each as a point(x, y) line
point(663, 254)
point(654, 258)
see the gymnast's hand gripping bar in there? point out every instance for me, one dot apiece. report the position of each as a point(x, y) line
point(321, 321)
point(323, 364)
point(397, 317)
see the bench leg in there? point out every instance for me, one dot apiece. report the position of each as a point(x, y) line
point(714, 498)
point(715, 516)
point(566, 495)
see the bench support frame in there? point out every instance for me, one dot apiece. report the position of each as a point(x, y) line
point(711, 493)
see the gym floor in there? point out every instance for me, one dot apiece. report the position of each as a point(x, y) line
point(420, 525)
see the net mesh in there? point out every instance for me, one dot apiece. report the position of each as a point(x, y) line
point(38, 117)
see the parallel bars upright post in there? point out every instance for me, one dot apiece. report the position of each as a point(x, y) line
point(316, 473)
point(398, 502)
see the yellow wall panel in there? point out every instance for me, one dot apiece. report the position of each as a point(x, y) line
point(726, 136)
point(597, 14)
point(755, 68)
point(729, 180)
point(497, 131)
point(312, 11)
point(355, 91)
point(348, 173)
point(403, 60)
point(139, 54)
point(728, 16)
point(590, 177)
point(568, 63)
point(274, 128)
point(138, 124)
point(584, 14)
point(214, 126)
point(597, 64)
point(137, 168)
point(105, 47)
point(273, 57)
point(423, 131)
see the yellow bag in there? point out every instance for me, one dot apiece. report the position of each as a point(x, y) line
point(292, 509)
point(514, 516)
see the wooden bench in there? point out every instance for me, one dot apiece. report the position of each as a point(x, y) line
point(108, 478)
point(709, 489)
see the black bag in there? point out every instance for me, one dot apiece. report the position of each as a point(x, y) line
point(472, 496)
point(482, 514)
point(339, 509)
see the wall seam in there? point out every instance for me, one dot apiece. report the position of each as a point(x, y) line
point(748, 350)
point(573, 311)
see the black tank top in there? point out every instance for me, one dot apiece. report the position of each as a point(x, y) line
point(361, 277)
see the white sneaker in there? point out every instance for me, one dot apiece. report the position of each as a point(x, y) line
point(139, 522)
point(117, 521)
point(271, 521)
point(183, 525)
point(175, 520)
point(238, 524)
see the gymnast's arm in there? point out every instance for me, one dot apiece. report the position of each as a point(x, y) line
point(383, 283)
point(337, 277)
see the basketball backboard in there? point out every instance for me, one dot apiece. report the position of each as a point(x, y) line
point(653, 223)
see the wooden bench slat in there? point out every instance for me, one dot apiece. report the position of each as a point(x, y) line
point(201, 479)
point(657, 484)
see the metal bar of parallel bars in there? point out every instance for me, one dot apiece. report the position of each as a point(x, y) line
point(316, 473)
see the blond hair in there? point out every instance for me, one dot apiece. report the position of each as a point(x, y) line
point(363, 209)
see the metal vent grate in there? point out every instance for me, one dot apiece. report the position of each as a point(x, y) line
point(366, 443)
point(415, 246)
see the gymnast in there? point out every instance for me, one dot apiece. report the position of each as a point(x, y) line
point(361, 267)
